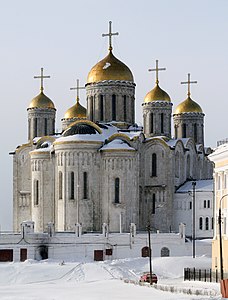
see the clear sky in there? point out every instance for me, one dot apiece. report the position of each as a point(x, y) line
point(64, 37)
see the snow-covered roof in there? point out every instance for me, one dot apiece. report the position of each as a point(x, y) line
point(117, 144)
point(201, 186)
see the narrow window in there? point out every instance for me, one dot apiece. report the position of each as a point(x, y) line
point(205, 203)
point(91, 108)
point(195, 133)
point(125, 108)
point(36, 192)
point(162, 123)
point(184, 133)
point(176, 131)
point(153, 204)
point(53, 126)
point(154, 165)
point(200, 223)
point(35, 126)
point(60, 185)
point(72, 185)
point(101, 108)
point(212, 223)
point(29, 128)
point(190, 205)
point(114, 107)
point(117, 190)
point(208, 203)
point(85, 185)
point(45, 126)
point(151, 123)
point(207, 223)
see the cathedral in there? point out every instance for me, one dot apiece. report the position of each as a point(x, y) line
point(103, 168)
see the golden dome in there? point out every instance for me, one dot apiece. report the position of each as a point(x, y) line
point(76, 111)
point(157, 94)
point(188, 106)
point(109, 68)
point(41, 101)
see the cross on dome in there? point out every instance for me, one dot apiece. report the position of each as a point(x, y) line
point(156, 70)
point(77, 88)
point(188, 83)
point(41, 77)
point(110, 34)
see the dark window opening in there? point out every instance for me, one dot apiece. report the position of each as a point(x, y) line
point(207, 223)
point(101, 108)
point(151, 123)
point(72, 185)
point(125, 108)
point(153, 204)
point(45, 126)
point(114, 107)
point(162, 123)
point(117, 190)
point(154, 164)
point(35, 127)
point(195, 133)
point(85, 184)
point(200, 223)
point(36, 192)
point(184, 130)
point(60, 185)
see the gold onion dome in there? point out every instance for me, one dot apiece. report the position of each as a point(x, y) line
point(76, 111)
point(41, 101)
point(188, 106)
point(157, 94)
point(109, 68)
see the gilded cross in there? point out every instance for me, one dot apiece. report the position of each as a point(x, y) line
point(41, 77)
point(77, 88)
point(110, 34)
point(157, 69)
point(188, 83)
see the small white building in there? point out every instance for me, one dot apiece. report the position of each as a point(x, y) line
point(183, 208)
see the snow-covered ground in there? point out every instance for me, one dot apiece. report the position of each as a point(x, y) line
point(51, 280)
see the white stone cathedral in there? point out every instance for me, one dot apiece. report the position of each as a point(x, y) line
point(103, 168)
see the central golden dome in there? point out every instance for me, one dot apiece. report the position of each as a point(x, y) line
point(76, 111)
point(109, 68)
point(41, 101)
point(188, 106)
point(157, 94)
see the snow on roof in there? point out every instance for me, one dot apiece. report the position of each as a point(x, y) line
point(117, 144)
point(201, 186)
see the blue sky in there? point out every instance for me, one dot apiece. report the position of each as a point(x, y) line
point(65, 38)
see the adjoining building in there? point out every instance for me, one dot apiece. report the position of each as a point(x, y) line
point(220, 159)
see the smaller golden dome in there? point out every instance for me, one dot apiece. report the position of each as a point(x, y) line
point(76, 111)
point(188, 106)
point(157, 94)
point(109, 68)
point(41, 101)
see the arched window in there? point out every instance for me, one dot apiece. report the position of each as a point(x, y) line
point(162, 123)
point(184, 131)
point(85, 185)
point(206, 223)
point(53, 126)
point(188, 169)
point(125, 108)
point(176, 131)
point(45, 126)
point(177, 164)
point(165, 252)
point(35, 126)
point(151, 123)
point(101, 108)
point(154, 165)
point(91, 107)
point(60, 185)
point(200, 223)
point(153, 203)
point(36, 192)
point(114, 107)
point(29, 128)
point(195, 132)
point(72, 185)
point(117, 190)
